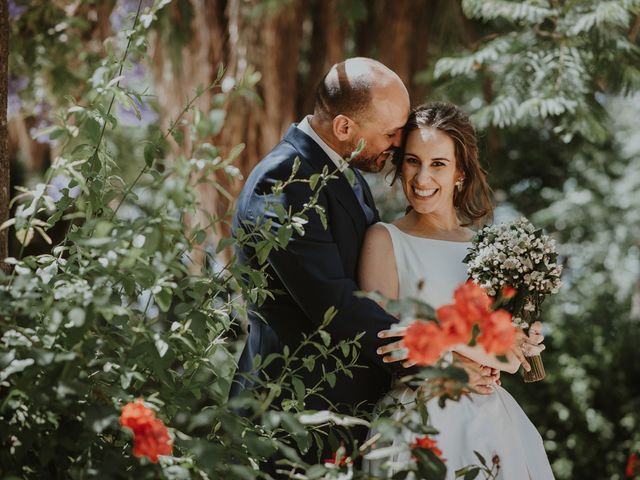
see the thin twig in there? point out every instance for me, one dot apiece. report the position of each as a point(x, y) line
point(633, 33)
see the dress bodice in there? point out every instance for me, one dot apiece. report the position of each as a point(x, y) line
point(428, 269)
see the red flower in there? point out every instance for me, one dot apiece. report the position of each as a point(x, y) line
point(150, 436)
point(151, 440)
point(425, 342)
point(508, 291)
point(428, 444)
point(135, 414)
point(455, 326)
point(472, 302)
point(344, 460)
point(497, 333)
point(632, 465)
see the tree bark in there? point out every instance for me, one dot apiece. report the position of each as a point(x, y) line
point(4, 145)
point(403, 45)
point(326, 47)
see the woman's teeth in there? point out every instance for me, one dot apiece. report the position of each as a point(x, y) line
point(430, 192)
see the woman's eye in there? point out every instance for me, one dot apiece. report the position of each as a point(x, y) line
point(438, 164)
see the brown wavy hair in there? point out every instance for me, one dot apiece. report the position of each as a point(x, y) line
point(474, 203)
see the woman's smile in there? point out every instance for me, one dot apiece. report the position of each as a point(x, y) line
point(425, 193)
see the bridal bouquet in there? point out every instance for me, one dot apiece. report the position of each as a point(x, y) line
point(517, 264)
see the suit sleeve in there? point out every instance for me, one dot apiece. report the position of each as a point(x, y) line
point(310, 267)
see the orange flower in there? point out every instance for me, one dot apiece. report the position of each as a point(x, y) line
point(632, 464)
point(428, 444)
point(150, 436)
point(135, 414)
point(508, 291)
point(472, 302)
point(497, 333)
point(455, 327)
point(425, 342)
point(151, 440)
point(344, 460)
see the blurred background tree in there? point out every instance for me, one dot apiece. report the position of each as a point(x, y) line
point(551, 84)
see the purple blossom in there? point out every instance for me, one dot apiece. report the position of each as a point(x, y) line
point(58, 185)
point(41, 125)
point(16, 9)
point(128, 117)
point(15, 85)
point(123, 9)
point(136, 79)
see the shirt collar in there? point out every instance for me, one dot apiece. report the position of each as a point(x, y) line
point(335, 157)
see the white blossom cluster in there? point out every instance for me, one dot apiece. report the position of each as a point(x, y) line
point(515, 254)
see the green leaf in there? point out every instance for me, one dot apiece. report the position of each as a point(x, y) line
point(326, 337)
point(284, 235)
point(481, 458)
point(163, 299)
point(93, 129)
point(161, 346)
point(331, 379)
point(299, 390)
point(309, 362)
point(223, 244)
point(472, 473)
point(150, 152)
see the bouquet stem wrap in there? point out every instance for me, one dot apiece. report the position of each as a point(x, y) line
point(537, 370)
point(529, 315)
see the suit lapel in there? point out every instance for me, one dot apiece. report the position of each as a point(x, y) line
point(338, 187)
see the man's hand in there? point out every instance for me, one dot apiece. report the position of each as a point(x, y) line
point(528, 346)
point(482, 379)
point(395, 351)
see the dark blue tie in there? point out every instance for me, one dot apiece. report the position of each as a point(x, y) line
point(358, 188)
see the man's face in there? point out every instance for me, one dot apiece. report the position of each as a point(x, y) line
point(381, 129)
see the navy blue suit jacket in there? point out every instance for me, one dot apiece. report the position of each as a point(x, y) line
point(314, 272)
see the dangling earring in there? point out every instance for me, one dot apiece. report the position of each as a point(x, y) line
point(459, 183)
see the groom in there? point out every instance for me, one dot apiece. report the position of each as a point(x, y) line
point(358, 99)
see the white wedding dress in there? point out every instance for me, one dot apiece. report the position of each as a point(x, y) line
point(491, 424)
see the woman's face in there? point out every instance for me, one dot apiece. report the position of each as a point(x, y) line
point(429, 171)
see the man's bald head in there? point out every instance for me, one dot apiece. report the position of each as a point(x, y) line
point(361, 99)
point(349, 88)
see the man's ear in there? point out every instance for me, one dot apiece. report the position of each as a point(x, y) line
point(343, 127)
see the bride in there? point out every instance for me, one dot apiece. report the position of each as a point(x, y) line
point(420, 255)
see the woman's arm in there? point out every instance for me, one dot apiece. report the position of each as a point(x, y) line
point(479, 355)
point(377, 271)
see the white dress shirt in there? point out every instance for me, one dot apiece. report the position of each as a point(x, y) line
point(335, 157)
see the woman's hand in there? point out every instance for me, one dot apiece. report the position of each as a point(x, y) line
point(482, 379)
point(528, 345)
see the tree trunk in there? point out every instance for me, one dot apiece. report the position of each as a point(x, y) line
point(228, 33)
point(326, 47)
point(403, 46)
point(4, 146)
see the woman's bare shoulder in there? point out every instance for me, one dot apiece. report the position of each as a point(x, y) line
point(378, 237)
